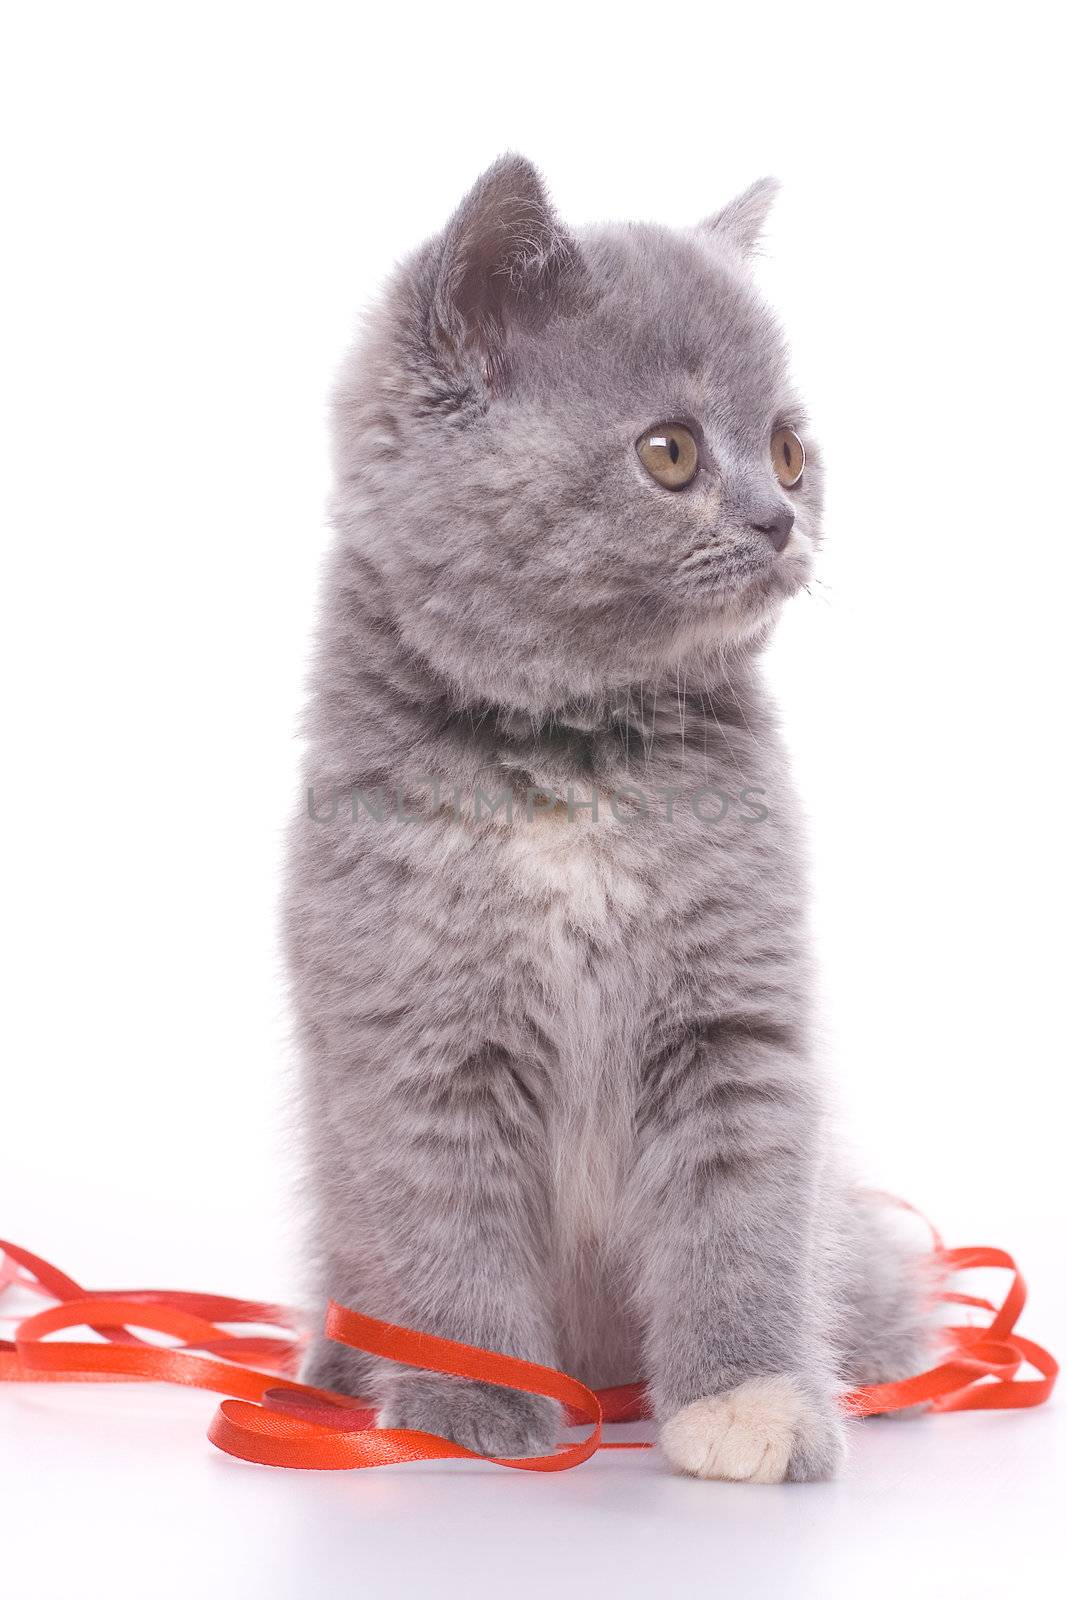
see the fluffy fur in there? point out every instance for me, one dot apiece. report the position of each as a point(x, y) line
point(558, 1081)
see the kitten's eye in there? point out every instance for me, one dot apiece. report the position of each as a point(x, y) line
point(787, 454)
point(670, 454)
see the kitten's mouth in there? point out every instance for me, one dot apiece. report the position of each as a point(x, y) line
point(735, 595)
point(741, 584)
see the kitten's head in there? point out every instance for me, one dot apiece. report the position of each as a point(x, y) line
point(574, 461)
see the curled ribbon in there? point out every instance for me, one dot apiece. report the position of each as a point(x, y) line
point(271, 1418)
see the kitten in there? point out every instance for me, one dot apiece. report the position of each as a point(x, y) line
point(546, 905)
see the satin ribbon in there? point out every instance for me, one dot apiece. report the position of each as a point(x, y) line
point(271, 1418)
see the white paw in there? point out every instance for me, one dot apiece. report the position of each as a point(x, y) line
point(747, 1435)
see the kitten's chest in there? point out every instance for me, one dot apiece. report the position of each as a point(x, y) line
point(578, 874)
point(612, 904)
point(584, 903)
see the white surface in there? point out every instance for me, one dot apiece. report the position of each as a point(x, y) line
point(140, 1504)
point(200, 198)
point(117, 1492)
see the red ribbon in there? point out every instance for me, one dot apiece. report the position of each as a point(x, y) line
point(291, 1424)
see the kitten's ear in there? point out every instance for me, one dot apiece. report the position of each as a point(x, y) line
point(505, 261)
point(742, 221)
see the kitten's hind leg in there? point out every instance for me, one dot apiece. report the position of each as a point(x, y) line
point(889, 1288)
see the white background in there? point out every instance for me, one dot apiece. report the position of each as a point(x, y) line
point(197, 201)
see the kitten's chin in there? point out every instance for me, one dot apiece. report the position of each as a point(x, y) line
point(750, 614)
point(724, 630)
point(738, 620)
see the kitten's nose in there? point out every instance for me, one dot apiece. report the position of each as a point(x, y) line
point(778, 528)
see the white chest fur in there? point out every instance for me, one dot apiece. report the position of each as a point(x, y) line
point(583, 896)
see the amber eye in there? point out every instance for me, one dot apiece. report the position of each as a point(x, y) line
point(670, 454)
point(787, 454)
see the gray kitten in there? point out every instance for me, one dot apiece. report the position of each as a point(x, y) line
point(546, 904)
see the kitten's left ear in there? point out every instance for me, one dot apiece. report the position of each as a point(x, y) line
point(505, 261)
point(742, 221)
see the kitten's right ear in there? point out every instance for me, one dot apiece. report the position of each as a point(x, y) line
point(742, 221)
point(505, 261)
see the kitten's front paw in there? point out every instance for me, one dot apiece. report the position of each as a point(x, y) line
point(481, 1416)
point(764, 1431)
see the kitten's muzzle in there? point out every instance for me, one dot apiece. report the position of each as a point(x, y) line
point(777, 528)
